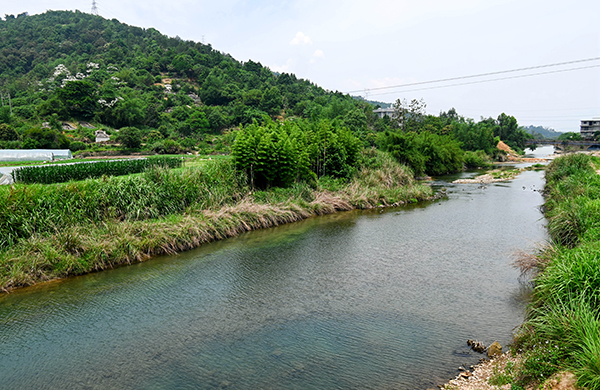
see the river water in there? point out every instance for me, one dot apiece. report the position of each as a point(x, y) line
point(381, 299)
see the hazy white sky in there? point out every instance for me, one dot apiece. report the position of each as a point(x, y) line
point(359, 45)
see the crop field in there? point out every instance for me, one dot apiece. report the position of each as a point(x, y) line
point(80, 171)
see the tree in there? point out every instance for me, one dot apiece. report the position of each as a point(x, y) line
point(44, 139)
point(475, 136)
point(570, 136)
point(509, 131)
point(7, 133)
point(272, 101)
point(130, 137)
point(5, 116)
point(425, 153)
point(407, 115)
point(79, 98)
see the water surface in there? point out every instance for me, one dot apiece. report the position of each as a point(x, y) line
point(381, 299)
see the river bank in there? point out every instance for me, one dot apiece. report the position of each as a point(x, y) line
point(367, 299)
point(57, 231)
point(558, 343)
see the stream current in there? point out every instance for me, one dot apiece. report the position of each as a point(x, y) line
point(380, 299)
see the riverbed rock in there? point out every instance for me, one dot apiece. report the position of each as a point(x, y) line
point(476, 346)
point(494, 350)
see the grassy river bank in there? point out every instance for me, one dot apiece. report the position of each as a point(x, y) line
point(562, 329)
point(58, 230)
point(558, 345)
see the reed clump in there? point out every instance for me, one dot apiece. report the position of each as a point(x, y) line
point(57, 230)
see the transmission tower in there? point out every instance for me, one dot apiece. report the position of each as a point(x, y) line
point(94, 8)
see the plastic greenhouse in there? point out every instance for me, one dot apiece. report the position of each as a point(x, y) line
point(34, 154)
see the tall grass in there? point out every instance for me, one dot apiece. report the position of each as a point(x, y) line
point(52, 231)
point(26, 210)
point(562, 330)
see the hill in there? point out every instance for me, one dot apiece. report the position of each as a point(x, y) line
point(542, 132)
point(71, 66)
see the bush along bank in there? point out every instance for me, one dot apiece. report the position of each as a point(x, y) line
point(54, 231)
point(562, 329)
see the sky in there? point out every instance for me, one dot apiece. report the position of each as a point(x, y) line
point(358, 47)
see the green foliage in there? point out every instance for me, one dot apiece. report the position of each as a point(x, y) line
point(279, 154)
point(570, 136)
point(476, 136)
point(508, 130)
point(7, 133)
point(272, 154)
point(77, 145)
point(66, 172)
point(563, 326)
point(36, 138)
point(409, 116)
point(425, 153)
point(476, 159)
point(130, 137)
point(5, 116)
point(167, 146)
point(79, 98)
point(31, 209)
point(86, 67)
point(568, 165)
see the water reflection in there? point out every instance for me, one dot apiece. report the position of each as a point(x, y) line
point(353, 300)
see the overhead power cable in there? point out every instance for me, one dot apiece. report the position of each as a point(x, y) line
point(479, 75)
point(486, 81)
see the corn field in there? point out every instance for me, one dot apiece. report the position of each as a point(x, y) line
point(80, 171)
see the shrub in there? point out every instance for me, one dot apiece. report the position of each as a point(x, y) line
point(77, 145)
point(167, 146)
point(476, 159)
point(130, 137)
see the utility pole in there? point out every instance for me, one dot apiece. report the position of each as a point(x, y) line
point(94, 8)
point(9, 103)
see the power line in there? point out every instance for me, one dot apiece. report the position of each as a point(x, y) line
point(484, 81)
point(480, 75)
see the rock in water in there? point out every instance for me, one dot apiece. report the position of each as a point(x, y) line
point(476, 346)
point(494, 350)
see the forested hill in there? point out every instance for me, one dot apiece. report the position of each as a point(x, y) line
point(542, 132)
point(72, 65)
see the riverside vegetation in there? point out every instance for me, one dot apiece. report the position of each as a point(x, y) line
point(56, 230)
point(296, 149)
point(562, 328)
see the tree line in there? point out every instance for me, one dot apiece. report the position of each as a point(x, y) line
point(166, 95)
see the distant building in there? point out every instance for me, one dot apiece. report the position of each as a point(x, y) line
point(381, 112)
point(101, 136)
point(589, 127)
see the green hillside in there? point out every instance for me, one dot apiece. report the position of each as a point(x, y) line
point(542, 132)
point(72, 66)
point(64, 75)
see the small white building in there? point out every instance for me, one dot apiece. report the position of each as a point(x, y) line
point(381, 112)
point(589, 127)
point(101, 136)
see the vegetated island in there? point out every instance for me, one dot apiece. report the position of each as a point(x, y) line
point(558, 345)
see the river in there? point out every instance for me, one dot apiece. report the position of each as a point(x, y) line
point(381, 299)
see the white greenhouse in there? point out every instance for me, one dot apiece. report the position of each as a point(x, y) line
point(34, 154)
